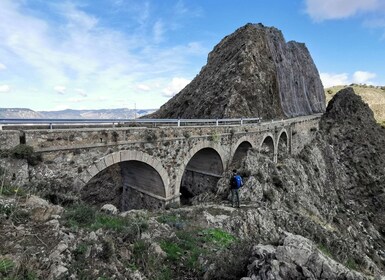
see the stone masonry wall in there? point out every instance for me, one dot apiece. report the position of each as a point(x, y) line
point(66, 154)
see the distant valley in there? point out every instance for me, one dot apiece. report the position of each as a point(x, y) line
point(120, 113)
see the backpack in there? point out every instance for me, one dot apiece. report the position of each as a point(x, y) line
point(239, 181)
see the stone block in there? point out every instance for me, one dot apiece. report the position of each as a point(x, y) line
point(126, 155)
point(109, 160)
point(93, 170)
point(85, 177)
point(101, 165)
point(116, 157)
point(138, 156)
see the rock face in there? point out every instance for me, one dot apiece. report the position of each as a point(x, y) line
point(331, 193)
point(296, 258)
point(251, 73)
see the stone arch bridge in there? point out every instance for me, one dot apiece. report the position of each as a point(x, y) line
point(154, 166)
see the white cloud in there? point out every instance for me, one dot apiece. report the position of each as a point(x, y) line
point(2, 66)
point(363, 77)
point(358, 77)
point(60, 89)
point(68, 46)
point(331, 79)
point(5, 88)
point(143, 87)
point(336, 9)
point(176, 85)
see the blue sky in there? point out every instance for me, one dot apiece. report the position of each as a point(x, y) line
point(93, 54)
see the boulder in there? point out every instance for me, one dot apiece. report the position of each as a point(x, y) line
point(110, 209)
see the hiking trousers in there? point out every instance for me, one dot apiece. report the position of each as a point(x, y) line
point(234, 197)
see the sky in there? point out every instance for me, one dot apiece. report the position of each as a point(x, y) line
point(104, 54)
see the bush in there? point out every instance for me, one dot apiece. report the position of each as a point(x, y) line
point(23, 151)
point(81, 215)
point(232, 263)
point(150, 136)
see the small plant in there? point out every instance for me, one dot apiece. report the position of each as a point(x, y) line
point(172, 249)
point(81, 215)
point(80, 251)
point(150, 136)
point(218, 236)
point(172, 220)
point(187, 134)
point(23, 151)
point(215, 137)
point(325, 250)
point(351, 264)
point(6, 266)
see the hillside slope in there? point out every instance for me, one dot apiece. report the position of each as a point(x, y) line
point(318, 215)
point(374, 96)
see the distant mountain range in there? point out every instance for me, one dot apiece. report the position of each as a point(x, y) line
point(120, 113)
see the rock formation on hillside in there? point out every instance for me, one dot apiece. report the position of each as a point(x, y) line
point(251, 73)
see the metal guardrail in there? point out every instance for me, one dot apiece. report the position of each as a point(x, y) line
point(133, 122)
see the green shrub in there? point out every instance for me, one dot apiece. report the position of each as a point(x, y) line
point(150, 136)
point(23, 151)
point(6, 266)
point(81, 215)
point(172, 249)
point(218, 236)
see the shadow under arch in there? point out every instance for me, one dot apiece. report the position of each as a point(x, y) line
point(239, 154)
point(201, 174)
point(282, 145)
point(267, 147)
point(143, 186)
point(142, 176)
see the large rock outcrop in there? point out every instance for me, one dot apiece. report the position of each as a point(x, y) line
point(251, 73)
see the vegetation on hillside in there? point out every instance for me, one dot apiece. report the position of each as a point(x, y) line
point(374, 96)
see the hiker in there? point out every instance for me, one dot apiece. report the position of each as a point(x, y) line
point(236, 183)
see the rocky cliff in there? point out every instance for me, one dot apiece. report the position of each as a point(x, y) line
point(253, 72)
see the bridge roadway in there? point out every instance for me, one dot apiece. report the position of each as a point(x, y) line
point(158, 161)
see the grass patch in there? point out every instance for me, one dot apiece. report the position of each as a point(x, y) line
point(351, 264)
point(218, 236)
point(85, 216)
point(6, 266)
point(184, 251)
point(325, 250)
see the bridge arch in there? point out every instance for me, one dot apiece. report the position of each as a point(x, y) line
point(200, 170)
point(283, 144)
point(240, 149)
point(154, 184)
point(267, 146)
